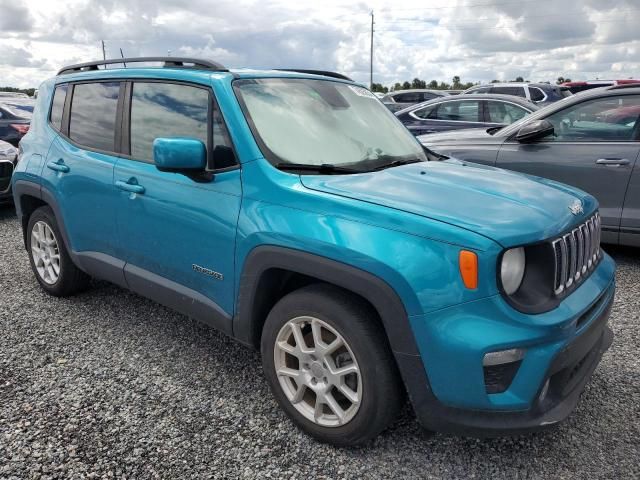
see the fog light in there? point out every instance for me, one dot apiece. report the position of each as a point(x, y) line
point(500, 369)
point(502, 356)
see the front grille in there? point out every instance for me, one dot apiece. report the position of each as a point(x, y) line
point(576, 254)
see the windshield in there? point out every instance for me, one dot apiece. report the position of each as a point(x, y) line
point(319, 122)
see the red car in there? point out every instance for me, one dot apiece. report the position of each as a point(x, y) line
point(577, 87)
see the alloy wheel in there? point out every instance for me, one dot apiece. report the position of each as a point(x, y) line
point(45, 252)
point(318, 371)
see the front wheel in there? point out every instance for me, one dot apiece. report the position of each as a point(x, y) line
point(328, 364)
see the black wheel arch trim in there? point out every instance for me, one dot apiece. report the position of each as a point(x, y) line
point(372, 288)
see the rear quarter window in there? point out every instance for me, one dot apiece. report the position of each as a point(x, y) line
point(57, 106)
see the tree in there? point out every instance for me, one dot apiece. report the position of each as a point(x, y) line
point(495, 81)
point(456, 83)
point(433, 84)
point(397, 86)
point(561, 80)
point(519, 79)
point(406, 86)
point(378, 87)
point(417, 83)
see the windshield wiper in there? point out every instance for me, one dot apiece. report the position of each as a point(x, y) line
point(396, 163)
point(328, 168)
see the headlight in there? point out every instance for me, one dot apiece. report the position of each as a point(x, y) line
point(8, 152)
point(512, 270)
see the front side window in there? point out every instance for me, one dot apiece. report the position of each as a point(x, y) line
point(161, 110)
point(57, 106)
point(600, 120)
point(93, 115)
point(319, 122)
point(505, 113)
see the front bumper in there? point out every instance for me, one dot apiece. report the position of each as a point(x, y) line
point(446, 383)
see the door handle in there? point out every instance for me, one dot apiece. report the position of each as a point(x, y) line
point(58, 166)
point(612, 162)
point(130, 187)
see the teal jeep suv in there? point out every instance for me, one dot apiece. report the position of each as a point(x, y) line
point(292, 211)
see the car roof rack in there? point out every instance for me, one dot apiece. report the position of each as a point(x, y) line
point(623, 86)
point(169, 62)
point(316, 72)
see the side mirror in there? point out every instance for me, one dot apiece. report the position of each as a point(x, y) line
point(534, 131)
point(179, 154)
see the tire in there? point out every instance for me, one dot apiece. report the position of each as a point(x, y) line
point(369, 399)
point(59, 277)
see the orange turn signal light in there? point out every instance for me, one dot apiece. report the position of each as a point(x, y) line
point(469, 269)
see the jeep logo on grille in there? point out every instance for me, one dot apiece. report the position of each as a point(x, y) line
point(206, 271)
point(576, 207)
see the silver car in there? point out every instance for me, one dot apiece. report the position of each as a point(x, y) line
point(591, 141)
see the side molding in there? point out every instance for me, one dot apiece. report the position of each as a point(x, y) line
point(375, 290)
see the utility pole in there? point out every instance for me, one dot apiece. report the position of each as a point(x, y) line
point(104, 54)
point(371, 55)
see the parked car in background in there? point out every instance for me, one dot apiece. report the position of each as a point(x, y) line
point(590, 140)
point(538, 93)
point(464, 111)
point(400, 99)
point(8, 158)
point(15, 117)
point(13, 95)
point(577, 87)
point(291, 211)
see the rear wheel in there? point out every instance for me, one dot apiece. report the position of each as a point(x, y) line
point(49, 258)
point(329, 366)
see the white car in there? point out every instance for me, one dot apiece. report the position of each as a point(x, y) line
point(8, 157)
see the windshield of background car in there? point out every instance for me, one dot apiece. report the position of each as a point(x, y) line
point(319, 122)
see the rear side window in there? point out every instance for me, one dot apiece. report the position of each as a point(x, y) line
point(458, 111)
point(93, 115)
point(409, 97)
point(57, 106)
point(517, 91)
point(160, 110)
point(537, 95)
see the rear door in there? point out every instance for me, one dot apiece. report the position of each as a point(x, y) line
point(177, 232)
point(79, 165)
point(593, 148)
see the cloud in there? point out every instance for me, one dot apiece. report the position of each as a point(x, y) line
point(15, 17)
point(478, 40)
point(18, 57)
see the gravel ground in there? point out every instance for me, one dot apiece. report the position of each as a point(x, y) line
point(108, 384)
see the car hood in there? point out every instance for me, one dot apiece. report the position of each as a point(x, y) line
point(458, 137)
point(508, 207)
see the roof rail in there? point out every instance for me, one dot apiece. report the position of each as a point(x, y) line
point(624, 85)
point(316, 72)
point(169, 62)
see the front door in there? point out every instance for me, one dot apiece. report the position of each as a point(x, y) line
point(594, 147)
point(177, 232)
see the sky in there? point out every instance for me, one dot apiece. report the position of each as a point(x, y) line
point(477, 40)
